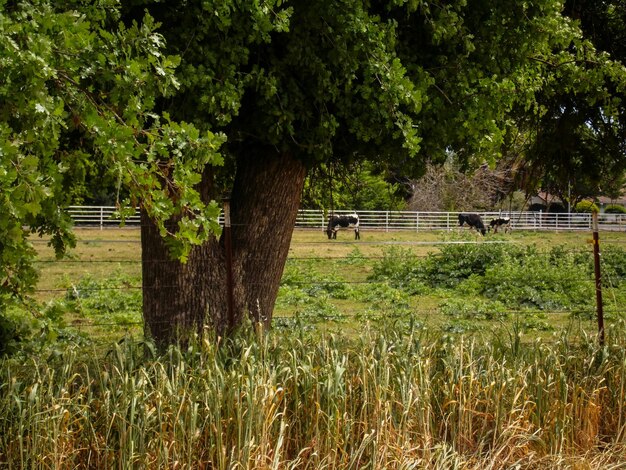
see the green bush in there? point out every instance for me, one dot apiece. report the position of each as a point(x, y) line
point(456, 263)
point(383, 297)
point(615, 209)
point(16, 328)
point(398, 266)
point(586, 207)
point(21, 332)
point(319, 309)
point(567, 257)
point(539, 282)
point(303, 276)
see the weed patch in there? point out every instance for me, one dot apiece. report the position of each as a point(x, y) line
point(537, 282)
point(116, 300)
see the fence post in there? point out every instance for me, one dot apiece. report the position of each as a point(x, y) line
point(596, 265)
point(417, 221)
point(229, 265)
point(386, 221)
point(101, 217)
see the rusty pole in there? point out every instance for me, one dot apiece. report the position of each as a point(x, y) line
point(596, 263)
point(229, 265)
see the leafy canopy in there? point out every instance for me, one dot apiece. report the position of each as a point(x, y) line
point(79, 87)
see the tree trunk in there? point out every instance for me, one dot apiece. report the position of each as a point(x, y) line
point(265, 201)
point(181, 299)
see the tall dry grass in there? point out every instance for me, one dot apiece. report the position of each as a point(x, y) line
point(280, 401)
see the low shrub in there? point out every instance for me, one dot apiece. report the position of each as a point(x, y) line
point(586, 207)
point(615, 209)
point(16, 328)
point(613, 262)
point(456, 263)
point(399, 266)
point(537, 282)
point(319, 309)
point(21, 332)
point(305, 277)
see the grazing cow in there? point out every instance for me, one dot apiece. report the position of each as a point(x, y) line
point(473, 220)
point(336, 222)
point(495, 224)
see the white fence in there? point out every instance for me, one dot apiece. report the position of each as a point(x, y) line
point(425, 221)
point(104, 216)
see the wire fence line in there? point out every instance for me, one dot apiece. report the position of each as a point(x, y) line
point(291, 259)
point(354, 313)
point(300, 284)
point(132, 285)
point(327, 257)
point(107, 216)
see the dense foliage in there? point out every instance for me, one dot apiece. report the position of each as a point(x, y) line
point(358, 186)
point(578, 138)
point(506, 279)
point(586, 207)
point(77, 95)
point(614, 209)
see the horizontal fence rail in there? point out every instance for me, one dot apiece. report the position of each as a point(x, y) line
point(107, 216)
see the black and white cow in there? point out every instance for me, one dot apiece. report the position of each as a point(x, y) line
point(473, 220)
point(495, 224)
point(336, 222)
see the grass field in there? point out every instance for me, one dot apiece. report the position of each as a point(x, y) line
point(400, 351)
point(327, 284)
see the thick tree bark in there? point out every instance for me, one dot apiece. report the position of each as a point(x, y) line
point(179, 299)
point(265, 201)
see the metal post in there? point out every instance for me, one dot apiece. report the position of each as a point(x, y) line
point(229, 265)
point(569, 196)
point(596, 263)
point(101, 217)
point(569, 219)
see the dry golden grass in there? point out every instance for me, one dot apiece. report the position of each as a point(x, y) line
point(292, 401)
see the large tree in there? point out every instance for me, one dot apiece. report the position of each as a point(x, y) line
point(292, 87)
point(296, 84)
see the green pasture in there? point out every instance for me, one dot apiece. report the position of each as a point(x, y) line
point(339, 285)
